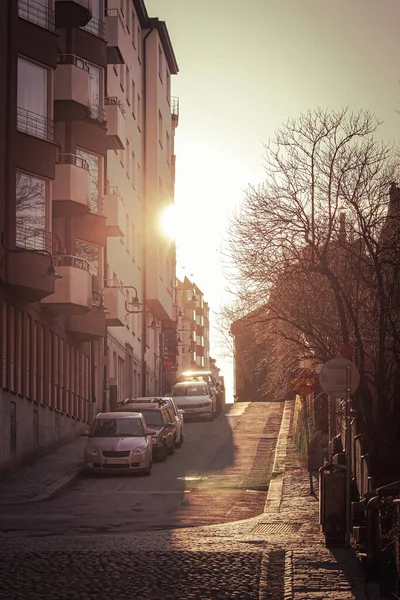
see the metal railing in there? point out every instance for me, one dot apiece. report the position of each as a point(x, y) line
point(72, 59)
point(34, 238)
point(36, 13)
point(114, 101)
point(113, 190)
point(68, 260)
point(96, 27)
point(72, 159)
point(115, 12)
point(174, 106)
point(34, 124)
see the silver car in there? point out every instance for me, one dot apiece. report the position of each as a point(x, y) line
point(119, 441)
point(195, 398)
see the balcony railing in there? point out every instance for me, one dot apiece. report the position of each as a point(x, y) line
point(114, 101)
point(36, 13)
point(33, 124)
point(113, 190)
point(175, 106)
point(68, 260)
point(115, 12)
point(72, 159)
point(32, 238)
point(72, 59)
point(96, 27)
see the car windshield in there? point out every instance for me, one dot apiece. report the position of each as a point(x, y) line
point(153, 418)
point(117, 428)
point(190, 390)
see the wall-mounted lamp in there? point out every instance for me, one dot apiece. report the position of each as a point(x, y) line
point(135, 301)
point(51, 272)
point(153, 325)
point(100, 307)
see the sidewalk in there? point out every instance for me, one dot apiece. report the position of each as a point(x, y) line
point(44, 477)
point(291, 525)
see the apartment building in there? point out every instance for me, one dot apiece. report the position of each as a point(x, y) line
point(87, 166)
point(193, 327)
point(140, 178)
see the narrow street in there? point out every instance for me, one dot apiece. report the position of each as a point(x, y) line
point(219, 475)
point(83, 541)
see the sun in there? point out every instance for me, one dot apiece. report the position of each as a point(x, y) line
point(168, 221)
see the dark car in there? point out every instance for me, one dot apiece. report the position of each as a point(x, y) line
point(159, 418)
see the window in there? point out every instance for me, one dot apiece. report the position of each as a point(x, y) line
point(128, 14)
point(160, 63)
point(168, 85)
point(139, 111)
point(91, 253)
point(139, 44)
point(133, 98)
point(95, 178)
point(128, 153)
point(168, 141)
point(127, 79)
point(122, 7)
point(33, 100)
point(160, 128)
point(31, 212)
point(134, 29)
point(121, 76)
point(133, 161)
point(38, 12)
point(96, 97)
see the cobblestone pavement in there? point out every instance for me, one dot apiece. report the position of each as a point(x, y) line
point(279, 555)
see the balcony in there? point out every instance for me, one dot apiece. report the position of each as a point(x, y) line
point(96, 27)
point(175, 111)
point(73, 13)
point(72, 89)
point(114, 300)
point(91, 227)
point(33, 124)
point(71, 187)
point(73, 293)
point(37, 13)
point(116, 124)
point(88, 327)
point(115, 36)
point(114, 212)
point(25, 267)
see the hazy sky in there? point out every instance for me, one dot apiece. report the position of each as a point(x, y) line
point(245, 68)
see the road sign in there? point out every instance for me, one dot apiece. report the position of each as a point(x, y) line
point(302, 381)
point(333, 377)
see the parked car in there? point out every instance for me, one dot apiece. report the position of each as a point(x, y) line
point(119, 441)
point(175, 412)
point(195, 398)
point(209, 378)
point(159, 417)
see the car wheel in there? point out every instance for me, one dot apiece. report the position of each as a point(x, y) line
point(172, 448)
point(163, 452)
point(179, 444)
point(147, 471)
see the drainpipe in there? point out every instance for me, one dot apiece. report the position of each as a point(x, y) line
point(144, 215)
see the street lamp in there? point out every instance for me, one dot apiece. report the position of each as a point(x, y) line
point(51, 272)
point(135, 301)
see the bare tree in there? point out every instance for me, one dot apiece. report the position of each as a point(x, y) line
point(313, 242)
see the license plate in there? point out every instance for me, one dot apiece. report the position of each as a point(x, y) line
point(116, 461)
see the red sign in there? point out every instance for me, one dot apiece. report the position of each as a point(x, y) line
point(302, 381)
point(167, 363)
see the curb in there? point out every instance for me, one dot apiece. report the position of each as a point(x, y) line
point(50, 491)
point(275, 489)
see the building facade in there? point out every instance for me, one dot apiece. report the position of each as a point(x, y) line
point(87, 158)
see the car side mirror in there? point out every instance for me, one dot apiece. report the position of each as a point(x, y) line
point(181, 411)
point(151, 432)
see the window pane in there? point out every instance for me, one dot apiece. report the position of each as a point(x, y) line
point(94, 168)
point(30, 211)
point(91, 254)
point(32, 87)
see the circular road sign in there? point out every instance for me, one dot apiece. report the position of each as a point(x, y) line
point(333, 377)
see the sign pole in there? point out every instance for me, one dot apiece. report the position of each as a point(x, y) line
point(348, 453)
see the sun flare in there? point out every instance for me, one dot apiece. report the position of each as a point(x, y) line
point(168, 221)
